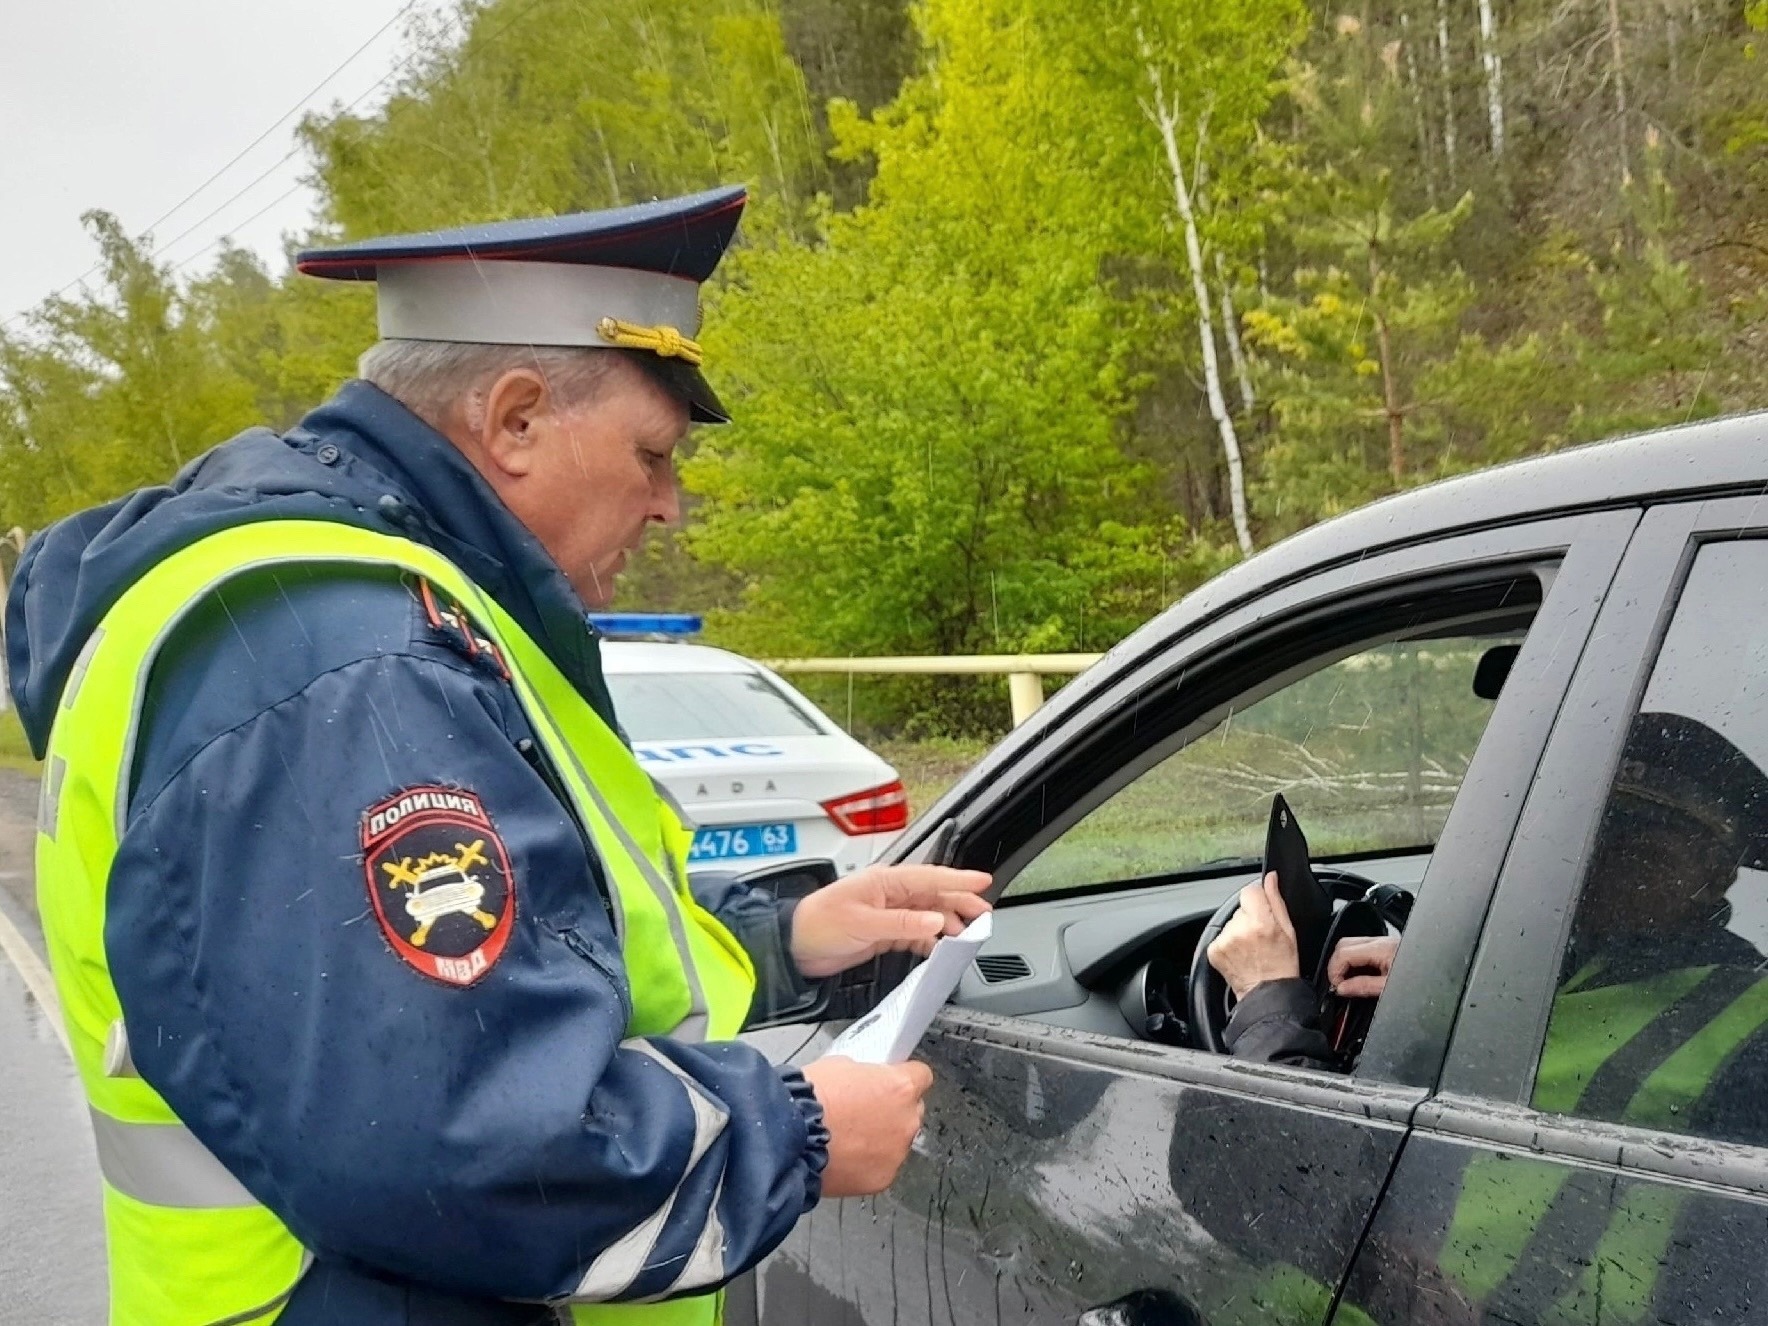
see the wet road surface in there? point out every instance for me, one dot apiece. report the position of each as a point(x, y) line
point(51, 1236)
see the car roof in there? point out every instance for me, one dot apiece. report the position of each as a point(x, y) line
point(629, 656)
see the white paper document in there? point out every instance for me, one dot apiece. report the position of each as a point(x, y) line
point(890, 1032)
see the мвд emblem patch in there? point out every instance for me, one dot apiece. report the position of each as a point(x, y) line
point(440, 882)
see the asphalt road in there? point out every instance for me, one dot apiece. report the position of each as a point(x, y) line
point(51, 1234)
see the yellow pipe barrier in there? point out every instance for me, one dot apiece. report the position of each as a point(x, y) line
point(1024, 689)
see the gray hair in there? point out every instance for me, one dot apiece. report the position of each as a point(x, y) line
point(430, 378)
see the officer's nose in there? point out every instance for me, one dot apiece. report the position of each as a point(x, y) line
point(666, 499)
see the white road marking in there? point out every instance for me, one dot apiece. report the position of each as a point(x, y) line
point(36, 976)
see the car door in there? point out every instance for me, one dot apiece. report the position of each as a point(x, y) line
point(1598, 1152)
point(1070, 1171)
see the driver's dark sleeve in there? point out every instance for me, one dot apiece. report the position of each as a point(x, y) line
point(507, 1139)
point(762, 924)
point(1279, 1023)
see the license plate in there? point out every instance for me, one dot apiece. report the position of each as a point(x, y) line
point(732, 841)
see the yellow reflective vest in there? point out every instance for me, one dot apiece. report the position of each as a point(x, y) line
point(188, 1244)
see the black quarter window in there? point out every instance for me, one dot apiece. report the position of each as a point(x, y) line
point(1661, 1014)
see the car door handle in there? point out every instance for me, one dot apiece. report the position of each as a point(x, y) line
point(1144, 1307)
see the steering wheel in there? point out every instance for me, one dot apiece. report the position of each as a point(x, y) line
point(1211, 1002)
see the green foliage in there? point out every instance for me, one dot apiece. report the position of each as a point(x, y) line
point(98, 396)
point(550, 107)
point(1354, 346)
point(934, 387)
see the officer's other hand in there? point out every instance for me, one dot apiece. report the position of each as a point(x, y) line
point(1370, 958)
point(881, 909)
point(1258, 943)
point(873, 1112)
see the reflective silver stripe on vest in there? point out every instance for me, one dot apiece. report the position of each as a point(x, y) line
point(82, 662)
point(265, 1309)
point(49, 796)
point(118, 1062)
point(620, 1264)
point(163, 1164)
point(668, 798)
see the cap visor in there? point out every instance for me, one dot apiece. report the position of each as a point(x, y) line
point(688, 384)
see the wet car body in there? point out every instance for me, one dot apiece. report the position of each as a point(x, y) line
point(1078, 1165)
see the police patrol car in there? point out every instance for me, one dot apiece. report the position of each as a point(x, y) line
point(762, 773)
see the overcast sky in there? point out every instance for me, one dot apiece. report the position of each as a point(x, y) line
point(130, 105)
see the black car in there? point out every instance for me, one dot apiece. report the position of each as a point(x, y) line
point(1464, 692)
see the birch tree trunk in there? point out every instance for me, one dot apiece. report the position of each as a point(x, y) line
point(1231, 334)
point(1494, 66)
point(1673, 41)
point(1426, 154)
point(1618, 61)
point(1164, 116)
point(1448, 89)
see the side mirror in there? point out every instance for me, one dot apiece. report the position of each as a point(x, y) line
point(1493, 669)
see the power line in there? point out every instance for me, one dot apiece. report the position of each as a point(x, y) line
point(399, 67)
point(246, 150)
point(286, 194)
point(280, 120)
point(295, 151)
point(292, 153)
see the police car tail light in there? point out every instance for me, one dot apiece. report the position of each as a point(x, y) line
point(878, 810)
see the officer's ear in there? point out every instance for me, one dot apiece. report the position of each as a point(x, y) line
point(504, 420)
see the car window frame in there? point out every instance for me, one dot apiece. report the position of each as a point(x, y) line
point(1499, 1036)
point(1583, 551)
point(1365, 627)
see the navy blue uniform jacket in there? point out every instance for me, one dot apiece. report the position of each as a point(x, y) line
point(444, 1151)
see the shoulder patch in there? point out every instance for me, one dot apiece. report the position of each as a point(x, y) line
point(440, 882)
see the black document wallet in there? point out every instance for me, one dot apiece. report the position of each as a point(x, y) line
point(1310, 906)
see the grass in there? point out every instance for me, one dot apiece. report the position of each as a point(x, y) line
point(929, 767)
point(1212, 800)
point(15, 751)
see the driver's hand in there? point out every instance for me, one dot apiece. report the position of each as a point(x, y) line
point(1258, 943)
point(1371, 959)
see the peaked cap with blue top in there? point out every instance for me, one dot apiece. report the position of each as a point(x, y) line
point(624, 279)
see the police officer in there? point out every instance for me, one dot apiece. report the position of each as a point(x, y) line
point(384, 978)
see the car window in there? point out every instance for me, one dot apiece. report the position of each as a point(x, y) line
point(706, 706)
point(1370, 751)
point(1660, 1018)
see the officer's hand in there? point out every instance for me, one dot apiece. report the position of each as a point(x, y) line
point(873, 1112)
point(1258, 943)
point(1372, 958)
point(883, 908)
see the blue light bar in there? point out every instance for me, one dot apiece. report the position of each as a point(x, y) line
point(645, 623)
